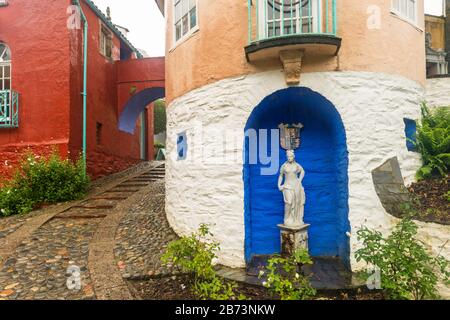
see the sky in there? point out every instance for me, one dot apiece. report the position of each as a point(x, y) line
point(433, 7)
point(143, 19)
point(147, 25)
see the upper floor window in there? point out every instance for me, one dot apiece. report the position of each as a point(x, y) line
point(106, 42)
point(185, 17)
point(3, 3)
point(406, 9)
point(288, 17)
point(5, 67)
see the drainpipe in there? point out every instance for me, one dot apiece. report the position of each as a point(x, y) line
point(84, 93)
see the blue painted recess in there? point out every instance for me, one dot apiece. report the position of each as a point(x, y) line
point(135, 106)
point(410, 133)
point(323, 154)
point(182, 146)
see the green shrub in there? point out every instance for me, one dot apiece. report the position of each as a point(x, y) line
point(433, 142)
point(408, 271)
point(43, 181)
point(194, 255)
point(159, 145)
point(285, 279)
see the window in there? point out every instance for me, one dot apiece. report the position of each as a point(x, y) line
point(3, 3)
point(106, 42)
point(287, 17)
point(406, 9)
point(8, 98)
point(185, 17)
point(5, 67)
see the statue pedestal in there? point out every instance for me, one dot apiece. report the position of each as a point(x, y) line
point(293, 238)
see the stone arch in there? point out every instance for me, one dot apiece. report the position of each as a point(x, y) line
point(135, 105)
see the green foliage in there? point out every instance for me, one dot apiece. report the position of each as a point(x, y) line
point(285, 279)
point(160, 118)
point(194, 255)
point(43, 181)
point(447, 196)
point(408, 271)
point(433, 142)
point(159, 145)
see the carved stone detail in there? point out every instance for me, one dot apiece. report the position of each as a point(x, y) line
point(292, 65)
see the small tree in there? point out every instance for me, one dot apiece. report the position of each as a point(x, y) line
point(408, 271)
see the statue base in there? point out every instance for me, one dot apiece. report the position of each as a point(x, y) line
point(293, 238)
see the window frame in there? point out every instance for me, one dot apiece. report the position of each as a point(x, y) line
point(264, 21)
point(404, 15)
point(191, 30)
point(107, 34)
point(6, 63)
point(3, 64)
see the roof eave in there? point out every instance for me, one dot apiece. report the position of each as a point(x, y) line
point(160, 4)
point(113, 28)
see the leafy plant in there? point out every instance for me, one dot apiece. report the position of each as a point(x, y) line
point(408, 271)
point(43, 180)
point(433, 142)
point(447, 195)
point(194, 255)
point(159, 145)
point(285, 279)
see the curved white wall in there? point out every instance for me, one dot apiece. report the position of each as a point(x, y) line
point(438, 92)
point(372, 107)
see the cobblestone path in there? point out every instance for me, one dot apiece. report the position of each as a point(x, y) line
point(39, 251)
point(143, 235)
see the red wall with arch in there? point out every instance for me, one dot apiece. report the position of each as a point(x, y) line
point(47, 71)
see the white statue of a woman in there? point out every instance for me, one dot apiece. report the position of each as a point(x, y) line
point(293, 191)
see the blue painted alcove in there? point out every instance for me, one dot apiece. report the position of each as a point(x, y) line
point(135, 106)
point(323, 154)
point(410, 133)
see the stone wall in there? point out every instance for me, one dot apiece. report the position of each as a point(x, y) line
point(390, 187)
point(12, 155)
point(438, 92)
point(207, 187)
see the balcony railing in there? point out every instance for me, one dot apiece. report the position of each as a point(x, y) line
point(9, 109)
point(269, 19)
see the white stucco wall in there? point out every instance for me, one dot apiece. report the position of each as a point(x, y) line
point(438, 92)
point(372, 107)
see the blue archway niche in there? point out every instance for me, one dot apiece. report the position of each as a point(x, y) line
point(135, 106)
point(323, 154)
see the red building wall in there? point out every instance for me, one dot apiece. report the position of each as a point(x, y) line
point(113, 150)
point(47, 70)
point(37, 34)
point(136, 75)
